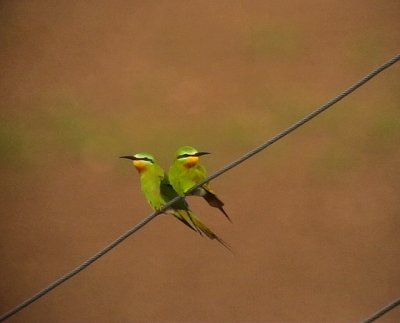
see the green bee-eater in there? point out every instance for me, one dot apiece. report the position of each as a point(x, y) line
point(186, 172)
point(158, 191)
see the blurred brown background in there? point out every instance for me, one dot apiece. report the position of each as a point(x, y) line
point(316, 216)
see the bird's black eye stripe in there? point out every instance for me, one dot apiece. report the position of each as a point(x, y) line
point(184, 156)
point(146, 159)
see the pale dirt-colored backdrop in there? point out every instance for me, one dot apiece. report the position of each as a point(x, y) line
point(316, 218)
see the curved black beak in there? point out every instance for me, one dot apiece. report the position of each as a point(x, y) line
point(129, 157)
point(201, 153)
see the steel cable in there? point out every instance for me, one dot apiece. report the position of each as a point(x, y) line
point(382, 311)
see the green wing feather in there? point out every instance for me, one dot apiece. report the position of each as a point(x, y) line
point(179, 209)
point(183, 179)
point(185, 215)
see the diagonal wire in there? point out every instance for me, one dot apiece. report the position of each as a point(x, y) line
point(299, 123)
point(383, 311)
point(224, 169)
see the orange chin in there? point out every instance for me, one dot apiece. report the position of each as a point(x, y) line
point(139, 165)
point(191, 161)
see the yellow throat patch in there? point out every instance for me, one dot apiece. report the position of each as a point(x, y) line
point(139, 165)
point(191, 161)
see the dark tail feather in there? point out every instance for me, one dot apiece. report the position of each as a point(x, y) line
point(214, 201)
point(186, 218)
point(203, 228)
point(187, 224)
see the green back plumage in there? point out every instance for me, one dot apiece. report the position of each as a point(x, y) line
point(150, 182)
point(168, 193)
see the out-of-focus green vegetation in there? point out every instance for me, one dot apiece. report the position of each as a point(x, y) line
point(278, 42)
point(12, 150)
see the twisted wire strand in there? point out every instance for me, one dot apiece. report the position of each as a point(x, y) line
point(382, 311)
point(224, 169)
point(302, 121)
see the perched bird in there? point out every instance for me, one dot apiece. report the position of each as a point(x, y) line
point(158, 191)
point(186, 172)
